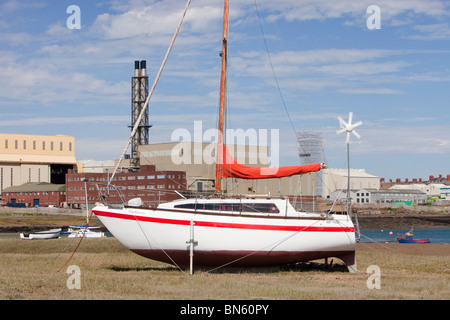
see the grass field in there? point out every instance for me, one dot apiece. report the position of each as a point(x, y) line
point(109, 271)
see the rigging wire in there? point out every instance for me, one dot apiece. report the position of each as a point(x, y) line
point(272, 245)
point(151, 90)
point(273, 70)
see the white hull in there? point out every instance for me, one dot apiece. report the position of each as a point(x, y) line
point(231, 239)
point(49, 234)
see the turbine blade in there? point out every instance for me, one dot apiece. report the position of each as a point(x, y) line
point(357, 124)
point(341, 122)
point(340, 130)
point(350, 118)
point(356, 134)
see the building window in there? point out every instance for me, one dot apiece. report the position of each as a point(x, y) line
point(61, 146)
point(131, 178)
point(6, 143)
point(160, 176)
point(43, 145)
point(24, 144)
point(34, 145)
point(70, 146)
point(51, 145)
point(16, 144)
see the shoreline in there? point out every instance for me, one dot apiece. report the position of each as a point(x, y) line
point(404, 221)
point(13, 223)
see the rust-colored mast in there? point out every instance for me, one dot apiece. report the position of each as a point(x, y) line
point(223, 80)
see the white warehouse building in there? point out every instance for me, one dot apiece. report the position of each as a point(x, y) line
point(336, 180)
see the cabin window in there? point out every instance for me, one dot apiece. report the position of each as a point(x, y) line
point(233, 207)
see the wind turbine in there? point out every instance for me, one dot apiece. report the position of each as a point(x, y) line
point(349, 127)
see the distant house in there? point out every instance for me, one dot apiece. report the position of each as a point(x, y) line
point(34, 194)
point(398, 195)
point(381, 196)
point(445, 192)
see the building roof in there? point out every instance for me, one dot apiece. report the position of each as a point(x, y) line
point(354, 173)
point(36, 187)
point(397, 191)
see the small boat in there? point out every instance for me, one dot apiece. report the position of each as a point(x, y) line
point(47, 234)
point(409, 238)
point(84, 231)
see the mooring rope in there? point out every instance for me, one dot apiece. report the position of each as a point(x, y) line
point(78, 245)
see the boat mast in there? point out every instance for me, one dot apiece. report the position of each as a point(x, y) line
point(223, 77)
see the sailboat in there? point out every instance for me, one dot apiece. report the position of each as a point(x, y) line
point(244, 232)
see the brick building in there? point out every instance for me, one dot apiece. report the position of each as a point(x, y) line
point(34, 194)
point(152, 186)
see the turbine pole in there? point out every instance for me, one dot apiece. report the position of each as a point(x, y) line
point(349, 128)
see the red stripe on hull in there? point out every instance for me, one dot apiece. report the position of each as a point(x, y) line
point(224, 224)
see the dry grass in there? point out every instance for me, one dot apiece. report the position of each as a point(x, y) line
point(110, 271)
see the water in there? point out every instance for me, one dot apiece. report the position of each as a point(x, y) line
point(367, 235)
point(441, 235)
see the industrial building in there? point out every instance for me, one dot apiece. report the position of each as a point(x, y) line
point(35, 194)
point(35, 158)
point(152, 186)
point(198, 161)
point(336, 179)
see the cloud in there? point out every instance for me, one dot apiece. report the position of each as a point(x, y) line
point(40, 121)
point(40, 81)
point(157, 19)
point(324, 9)
point(440, 31)
point(397, 139)
point(370, 91)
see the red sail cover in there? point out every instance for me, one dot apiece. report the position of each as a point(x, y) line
point(231, 169)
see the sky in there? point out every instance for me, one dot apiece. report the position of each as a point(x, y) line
point(293, 65)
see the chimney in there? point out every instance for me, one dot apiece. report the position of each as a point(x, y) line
point(136, 68)
point(406, 180)
point(431, 178)
point(420, 179)
point(143, 68)
point(448, 177)
point(382, 180)
point(398, 180)
point(414, 180)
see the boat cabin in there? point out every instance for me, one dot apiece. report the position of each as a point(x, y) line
point(234, 206)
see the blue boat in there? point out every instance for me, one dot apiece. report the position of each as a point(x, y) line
point(409, 238)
